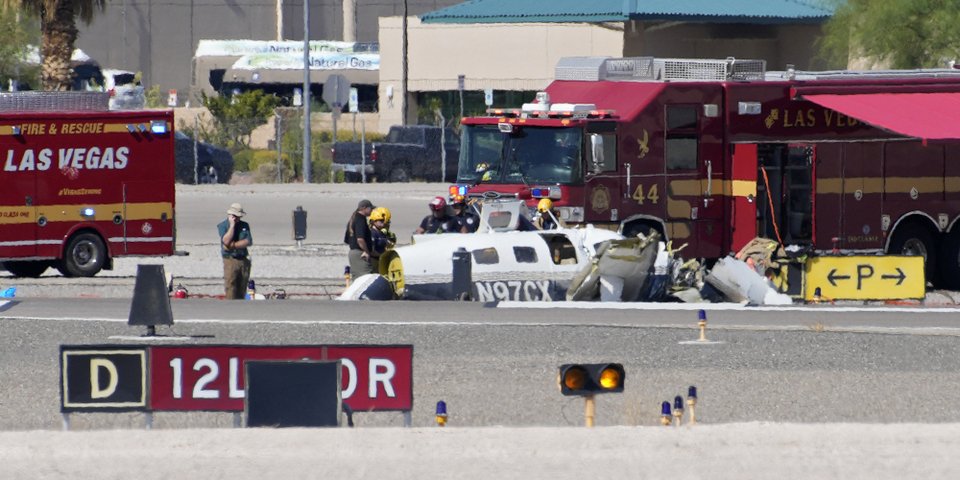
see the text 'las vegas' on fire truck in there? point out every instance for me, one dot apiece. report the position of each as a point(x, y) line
point(714, 153)
point(82, 185)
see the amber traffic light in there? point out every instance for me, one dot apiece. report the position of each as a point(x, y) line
point(591, 378)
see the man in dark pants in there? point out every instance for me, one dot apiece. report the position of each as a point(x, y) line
point(359, 239)
point(235, 237)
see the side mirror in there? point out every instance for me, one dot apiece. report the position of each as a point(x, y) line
point(596, 152)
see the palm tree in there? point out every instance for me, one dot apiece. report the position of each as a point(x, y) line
point(58, 34)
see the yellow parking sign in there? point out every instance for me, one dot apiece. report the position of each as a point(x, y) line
point(865, 277)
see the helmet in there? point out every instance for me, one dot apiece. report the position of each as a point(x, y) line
point(380, 213)
point(438, 203)
point(458, 200)
point(545, 205)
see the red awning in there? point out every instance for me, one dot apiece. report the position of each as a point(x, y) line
point(928, 116)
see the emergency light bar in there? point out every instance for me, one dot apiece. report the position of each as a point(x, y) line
point(546, 192)
point(458, 190)
point(158, 127)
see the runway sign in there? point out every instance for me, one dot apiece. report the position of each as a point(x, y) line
point(865, 277)
point(103, 378)
point(210, 377)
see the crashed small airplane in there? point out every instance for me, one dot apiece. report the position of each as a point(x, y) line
point(508, 260)
point(507, 263)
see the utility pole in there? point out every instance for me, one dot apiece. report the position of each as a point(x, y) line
point(403, 69)
point(306, 91)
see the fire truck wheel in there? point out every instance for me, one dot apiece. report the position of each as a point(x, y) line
point(950, 255)
point(646, 229)
point(26, 269)
point(917, 239)
point(85, 256)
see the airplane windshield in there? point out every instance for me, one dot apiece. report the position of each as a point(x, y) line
point(528, 155)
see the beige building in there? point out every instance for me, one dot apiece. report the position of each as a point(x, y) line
point(498, 56)
point(522, 56)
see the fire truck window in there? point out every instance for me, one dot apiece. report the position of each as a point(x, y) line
point(682, 137)
point(525, 254)
point(486, 256)
point(609, 162)
point(681, 152)
point(681, 117)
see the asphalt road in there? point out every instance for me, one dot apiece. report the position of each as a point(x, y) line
point(498, 366)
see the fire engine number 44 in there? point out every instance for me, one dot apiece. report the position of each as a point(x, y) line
point(652, 194)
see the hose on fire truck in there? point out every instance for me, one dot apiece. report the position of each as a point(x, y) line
point(773, 214)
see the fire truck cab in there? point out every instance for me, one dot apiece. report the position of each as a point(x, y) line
point(82, 184)
point(714, 153)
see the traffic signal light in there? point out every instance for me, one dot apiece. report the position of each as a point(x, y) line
point(591, 378)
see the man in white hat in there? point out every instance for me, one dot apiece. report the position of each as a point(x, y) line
point(235, 237)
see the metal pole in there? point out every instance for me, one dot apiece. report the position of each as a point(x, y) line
point(279, 20)
point(403, 69)
point(443, 146)
point(306, 91)
point(363, 151)
point(196, 133)
point(278, 136)
point(589, 410)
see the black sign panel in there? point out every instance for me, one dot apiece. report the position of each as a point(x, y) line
point(293, 394)
point(106, 378)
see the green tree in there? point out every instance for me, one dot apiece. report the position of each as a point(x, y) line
point(237, 115)
point(19, 33)
point(58, 34)
point(892, 33)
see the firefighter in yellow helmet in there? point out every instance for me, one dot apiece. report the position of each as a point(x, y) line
point(382, 238)
point(546, 218)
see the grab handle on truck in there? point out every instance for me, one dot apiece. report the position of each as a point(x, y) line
point(709, 191)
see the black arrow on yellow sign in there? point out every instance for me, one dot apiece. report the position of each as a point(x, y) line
point(900, 277)
point(832, 277)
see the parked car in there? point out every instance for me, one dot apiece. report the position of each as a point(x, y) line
point(214, 164)
point(408, 152)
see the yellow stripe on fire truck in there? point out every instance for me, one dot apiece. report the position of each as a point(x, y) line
point(78, 212)
point(75, 128)
point(866, 185)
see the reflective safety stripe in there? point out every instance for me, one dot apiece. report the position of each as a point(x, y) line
point(140, 239)
point(22, 243)
point(103, 212)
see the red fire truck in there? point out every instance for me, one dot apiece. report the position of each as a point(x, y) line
point(81, 184)
point(713, 153)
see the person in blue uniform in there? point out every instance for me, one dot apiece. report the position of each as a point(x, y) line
point(467, 220)
point(439, 220)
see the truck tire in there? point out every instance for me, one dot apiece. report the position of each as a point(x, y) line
point(85, 256)
point(950, 260)
point(400, 174)
point(26, 269)
point(631, 230)
point(914, 238)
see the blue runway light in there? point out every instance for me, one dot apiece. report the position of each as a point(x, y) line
point(692, 392)
point(441, 413)
point(701, 314)
point(665, 409)
point(678, 403)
